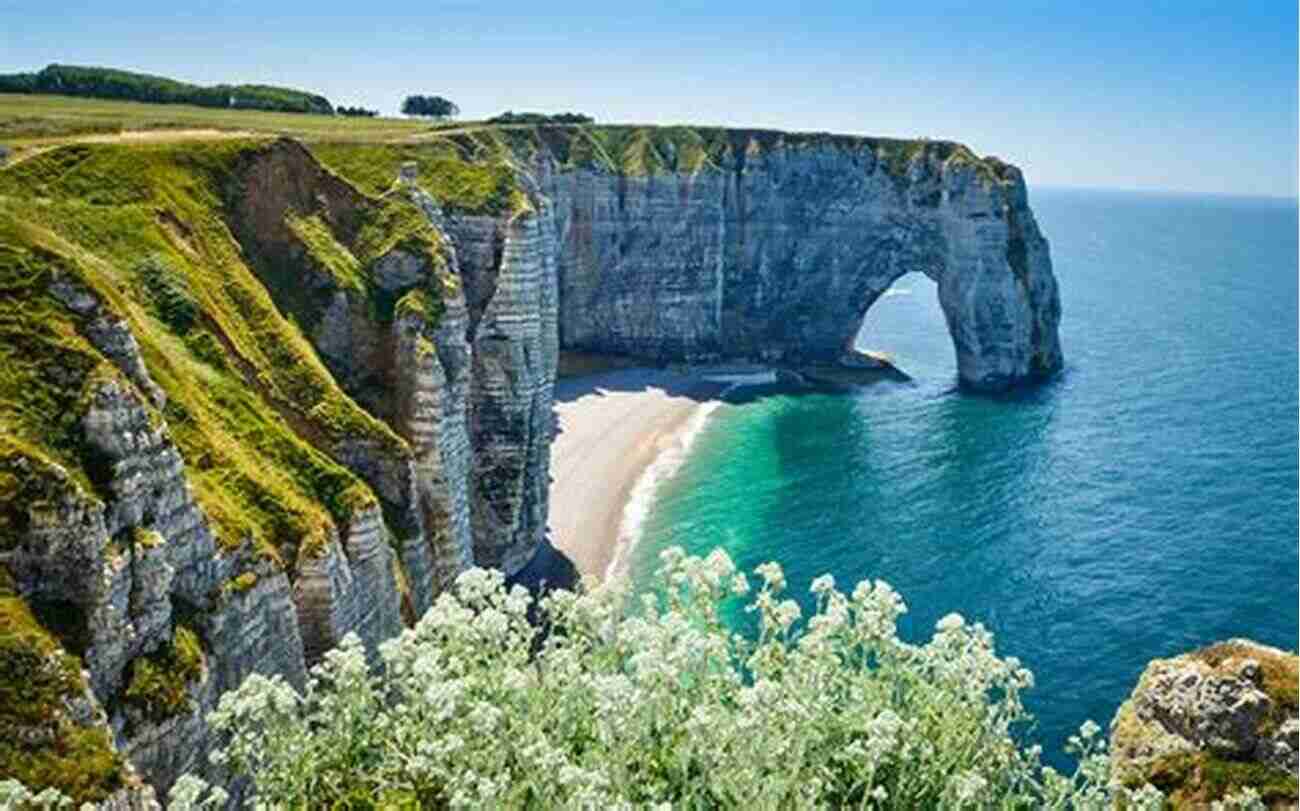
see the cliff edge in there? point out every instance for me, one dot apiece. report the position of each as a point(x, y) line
point(703, 244)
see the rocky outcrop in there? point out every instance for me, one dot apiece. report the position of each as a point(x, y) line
point(433, 362)
point(1203, 724)
point(510, 274)
point(772, 247)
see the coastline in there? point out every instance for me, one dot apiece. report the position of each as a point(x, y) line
point(619, 433)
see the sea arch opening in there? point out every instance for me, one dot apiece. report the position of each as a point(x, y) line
point(905, 323)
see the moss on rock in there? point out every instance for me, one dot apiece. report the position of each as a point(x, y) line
point(158, 684)
point(1208, 723)
point(1193, 780)
point(241, 583)
point(146, 538)
point(1279, 671)
point(41, 745)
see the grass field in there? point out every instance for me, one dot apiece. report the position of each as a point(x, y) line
point(34, 120)
point(369, 150)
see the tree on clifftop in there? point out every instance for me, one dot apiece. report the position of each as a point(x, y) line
point(430, 106)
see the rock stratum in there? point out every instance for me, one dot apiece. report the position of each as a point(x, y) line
point(256, 395)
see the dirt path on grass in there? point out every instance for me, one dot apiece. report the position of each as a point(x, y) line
point(40, 146)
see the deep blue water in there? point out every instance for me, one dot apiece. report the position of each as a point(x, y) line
point(1143, 504)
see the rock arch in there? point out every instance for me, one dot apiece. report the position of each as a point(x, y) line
point(778, 257)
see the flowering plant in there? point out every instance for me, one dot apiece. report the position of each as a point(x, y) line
point(598, 706)
point(493, 701)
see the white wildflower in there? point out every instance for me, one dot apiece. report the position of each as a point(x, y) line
point(632, 699)
point(772, 575)
point(823, 584)
point(967, 786)
point(739, 584)
point(950, 622)
point(787, 613)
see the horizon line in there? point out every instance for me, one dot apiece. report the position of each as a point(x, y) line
point(1292, 198)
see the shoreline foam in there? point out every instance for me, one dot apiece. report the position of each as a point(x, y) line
point(667, 462)
point(671, 457)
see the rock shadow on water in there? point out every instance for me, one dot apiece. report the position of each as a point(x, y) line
point(548, 570)
point(585, 374)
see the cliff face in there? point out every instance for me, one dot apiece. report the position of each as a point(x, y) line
point(513, 315)
point(255, 397)
point(247, 410)
point(758, 245)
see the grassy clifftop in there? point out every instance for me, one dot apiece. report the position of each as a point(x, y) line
point(32, 119)
point(463, 180)
point(445, 150)
point(646, 150)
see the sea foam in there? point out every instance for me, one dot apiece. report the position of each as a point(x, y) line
point(670, 459)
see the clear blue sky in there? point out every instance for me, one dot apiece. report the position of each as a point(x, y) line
point(1186, 95)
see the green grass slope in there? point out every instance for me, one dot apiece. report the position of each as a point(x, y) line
point(209, 250)
point(27, 120)
point(250, 405)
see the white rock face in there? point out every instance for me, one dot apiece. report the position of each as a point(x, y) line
point(777, 253)
point(349, 588)
point(509, 272)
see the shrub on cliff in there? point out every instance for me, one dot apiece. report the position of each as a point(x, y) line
point(356, 112)
point(605, 708)
point(430, 106)
point(511, 117)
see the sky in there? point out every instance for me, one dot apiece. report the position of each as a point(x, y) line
point(1178, 96)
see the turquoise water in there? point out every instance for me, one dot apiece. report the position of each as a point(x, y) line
point(1143, 504)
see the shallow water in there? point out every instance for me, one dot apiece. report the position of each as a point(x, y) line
point(1142, 504)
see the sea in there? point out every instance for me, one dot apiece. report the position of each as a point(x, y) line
point(1140, 505)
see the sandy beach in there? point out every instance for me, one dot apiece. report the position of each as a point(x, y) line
point(612, 427)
